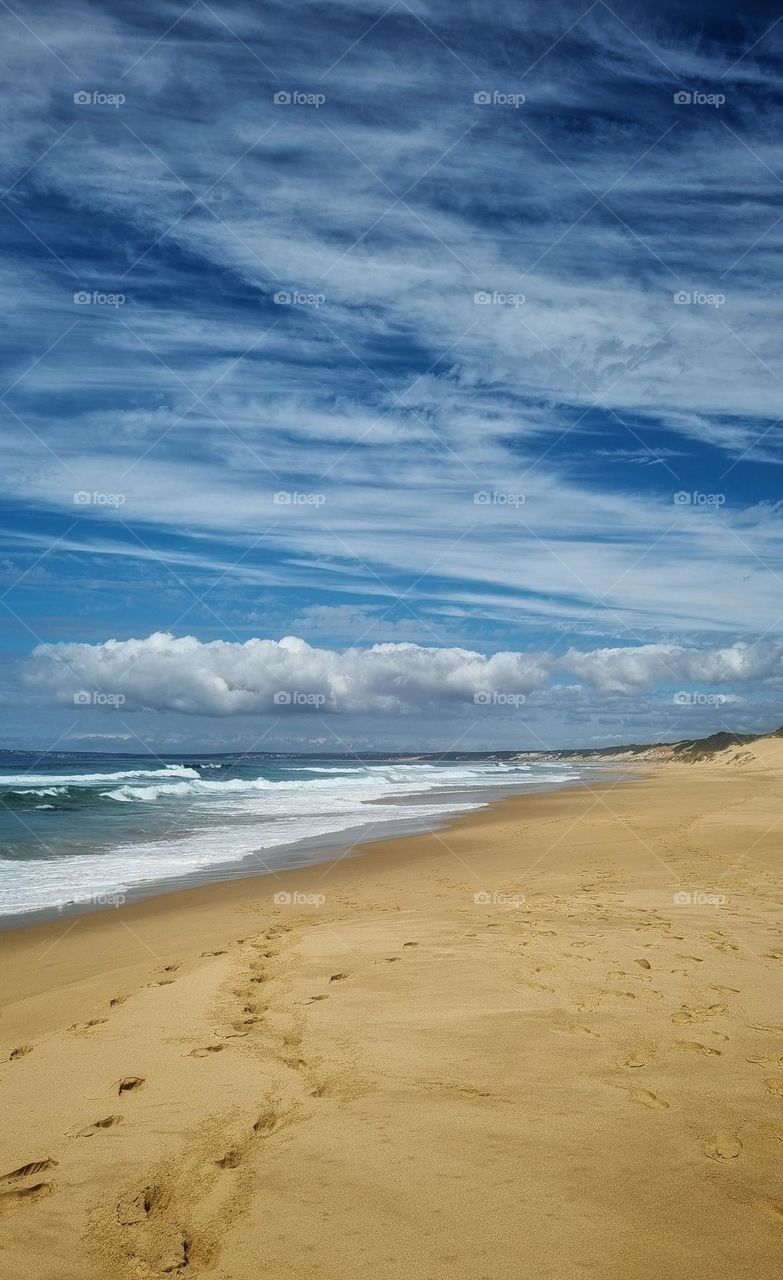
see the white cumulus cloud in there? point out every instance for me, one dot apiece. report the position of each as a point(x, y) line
point(625, 670)
point(221, 678)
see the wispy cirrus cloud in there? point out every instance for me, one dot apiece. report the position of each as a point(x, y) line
point(395, 299)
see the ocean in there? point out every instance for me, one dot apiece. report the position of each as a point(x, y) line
point(91, 829)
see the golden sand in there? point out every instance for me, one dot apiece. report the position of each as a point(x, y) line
point(578, 1075)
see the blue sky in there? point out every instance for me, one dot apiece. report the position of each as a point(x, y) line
point(449, 331)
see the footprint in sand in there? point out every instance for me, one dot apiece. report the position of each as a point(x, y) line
point(128, 1083)
point(633, 1060)
point(205, 1050)
point(410, 944)
point(537, 986)
point(266, 1122)
point(695, 1046)
point(775, 1085)
point(231, 1160)
point(20, 1052)
point(723, 1146)
point(648, 1099)
point(643, 964)
point(13, 1199)
point(27, 1170)
point(138, 1205)
point(686, 1014)
point(107, 1123)
point(338, 977)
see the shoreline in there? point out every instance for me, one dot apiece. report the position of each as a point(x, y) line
point(551, 1030)
point(306, 851)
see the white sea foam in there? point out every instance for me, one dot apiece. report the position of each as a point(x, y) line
point(93, 779)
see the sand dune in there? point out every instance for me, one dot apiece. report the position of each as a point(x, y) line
point(577, 1073)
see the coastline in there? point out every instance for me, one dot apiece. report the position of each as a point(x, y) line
point(405, 1078)
point(126, 870)
point(310, 851)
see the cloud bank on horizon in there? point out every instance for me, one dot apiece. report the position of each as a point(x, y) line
point(223, 678)
point(442, 339)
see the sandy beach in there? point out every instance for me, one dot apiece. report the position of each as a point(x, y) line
point(546, 1041)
